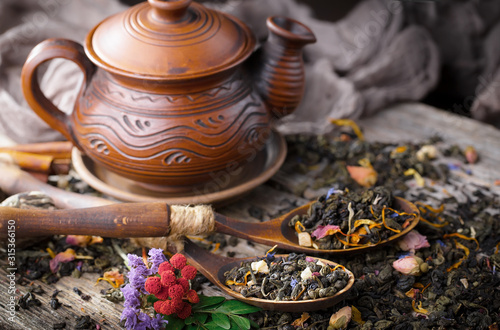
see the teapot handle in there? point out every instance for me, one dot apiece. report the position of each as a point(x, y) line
point(43, 107)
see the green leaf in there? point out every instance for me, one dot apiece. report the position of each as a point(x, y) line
point(221, 320)
point(200, 317)
point(208, 302)
point(189, 320)
point(174, 322)
point(192, 327)
point(152, 299)
point(211, 326)
point(241, 322)
point(236, 307)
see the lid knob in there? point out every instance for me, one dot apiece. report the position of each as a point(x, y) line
point(169, 10)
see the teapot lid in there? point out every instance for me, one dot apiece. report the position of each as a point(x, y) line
point(169, 40)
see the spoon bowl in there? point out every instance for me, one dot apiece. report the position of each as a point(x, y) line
point(214, 266)
point(278, 232)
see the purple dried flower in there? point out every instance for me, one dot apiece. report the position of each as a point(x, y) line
point(135, 260)
point(270, 256)
point(134, 318)
point(294, 282)
point(138, 272)
point(332, 191)
point(137, 278)
point(156, 257)
point(145, 322)
point(132, 296)
point(157, 322)
point(130, 315)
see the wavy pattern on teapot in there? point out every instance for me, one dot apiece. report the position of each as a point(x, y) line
point(208, 154)
point(212, 123)
point(99, 145)
point(176, 157)
point(173, 98)
point(97, 136)
point(138, 145)
point(137, 124)
point(228, 101)
point(138, 128)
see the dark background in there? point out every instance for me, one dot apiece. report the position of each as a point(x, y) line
point(330, 10)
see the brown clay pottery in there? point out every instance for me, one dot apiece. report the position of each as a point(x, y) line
point(171, 92)
point(223, 189)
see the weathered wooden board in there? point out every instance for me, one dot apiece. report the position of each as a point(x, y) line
point(406, 122)
point(104, 312)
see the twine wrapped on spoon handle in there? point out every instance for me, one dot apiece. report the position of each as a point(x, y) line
point(184, 221)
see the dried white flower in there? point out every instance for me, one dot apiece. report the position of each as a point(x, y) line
point(260, 267)
point(306, 274)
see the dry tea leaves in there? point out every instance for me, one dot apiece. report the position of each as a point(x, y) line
point(346, 219)
point(287, 278)
point(330, 162)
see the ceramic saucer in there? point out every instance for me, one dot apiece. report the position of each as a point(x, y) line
point(223, 189)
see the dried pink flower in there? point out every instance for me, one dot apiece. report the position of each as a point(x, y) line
point(66, 256)
point(83, 240)
point(413, 241)
point(341, 319)
point(409, 265)
point(323, 231)
point(364, 176)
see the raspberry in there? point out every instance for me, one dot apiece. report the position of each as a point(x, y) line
point(168, 278)
point(184, 283)
point(178, 261)
point(153, 285)
point(158, 305)
point(177, 305)
point(165, 266)
point(185, 312)
point(176, 291)
point(192, 297)
point(163, 294)
point(188, 272)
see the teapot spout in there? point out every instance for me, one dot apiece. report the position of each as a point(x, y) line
point(279, 69)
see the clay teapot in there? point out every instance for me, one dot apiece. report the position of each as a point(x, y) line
point(174, 91)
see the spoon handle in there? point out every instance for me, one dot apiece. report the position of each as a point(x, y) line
point(207, 263)
point(116, 220)
point(272, 232)
point(268, 232)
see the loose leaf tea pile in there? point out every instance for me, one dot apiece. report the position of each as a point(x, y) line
point(291, 278)
point(443, 275)
point(344, 219)
point(348, 162)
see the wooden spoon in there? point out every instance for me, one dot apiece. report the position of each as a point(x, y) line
point(153, 220)
point(214, 266)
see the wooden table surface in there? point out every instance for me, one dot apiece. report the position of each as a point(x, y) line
point(406, 122)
